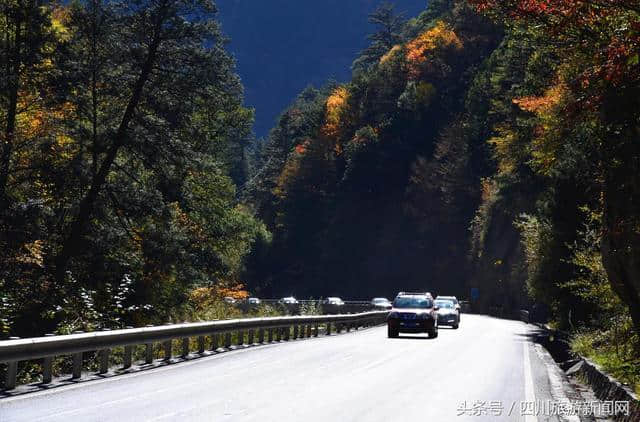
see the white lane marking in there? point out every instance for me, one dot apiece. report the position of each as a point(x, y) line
point(557, 390)
point(529, 395)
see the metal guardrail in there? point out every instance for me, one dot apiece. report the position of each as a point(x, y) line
point(258, 331)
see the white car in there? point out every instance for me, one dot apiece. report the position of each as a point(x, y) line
point(335, 301)
point(381, 303)
point(289, 300)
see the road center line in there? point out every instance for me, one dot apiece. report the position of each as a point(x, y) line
point(529, 394)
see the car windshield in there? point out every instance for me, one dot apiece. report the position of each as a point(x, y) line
point(412, 302)
point(444, 304)
point(380, 300)
point(455, 301)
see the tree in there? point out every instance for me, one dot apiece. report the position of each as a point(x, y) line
point(168, 60)
point(389, 34)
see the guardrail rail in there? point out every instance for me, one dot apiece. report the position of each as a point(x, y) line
point(257, 330)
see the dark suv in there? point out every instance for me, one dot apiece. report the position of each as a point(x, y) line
point(413, 313)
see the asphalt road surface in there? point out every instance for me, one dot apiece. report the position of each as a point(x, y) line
point(361, 376)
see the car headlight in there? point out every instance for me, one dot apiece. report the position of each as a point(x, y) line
point(424, 316)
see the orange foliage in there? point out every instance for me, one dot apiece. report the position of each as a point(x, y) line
point(185, 221)
point(202, 297)
point(543, 104)
point(302, 148)
point(235, 291)
point(336, 104)
point(438, 37)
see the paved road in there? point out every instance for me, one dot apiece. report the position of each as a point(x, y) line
point(362, 376)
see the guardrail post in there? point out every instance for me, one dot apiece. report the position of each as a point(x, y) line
point(227, 340)
point(308, 330)
point(240, 337)
point(214, 342)
point(127, 358)
point(166, 345)
point(287, 333)
point(260, 335)
point(185, 347)
point(47, 366)
point(315, 334)
point(148, 351)
point(270, 335)
point(103, 356)
point(76, 371)
point(128, 355)
point(348, 327)
point(200, 344)
point(295, 331)
point(250, 337)
point(12, 372)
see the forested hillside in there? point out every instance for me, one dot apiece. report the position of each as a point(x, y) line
point(486, 144)
point(120, 122)
point(370, 187)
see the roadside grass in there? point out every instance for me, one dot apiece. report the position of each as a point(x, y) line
point(615, 350)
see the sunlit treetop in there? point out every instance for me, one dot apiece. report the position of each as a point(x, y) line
point(336, 104)
point(438, 37)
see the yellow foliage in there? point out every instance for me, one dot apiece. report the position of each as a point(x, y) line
point(547, 135)
point(395, 50)
point(438, 37)
point(289, 172)
point(336, 105)
point(503, 144)
point(60, 18)
point(33, 253)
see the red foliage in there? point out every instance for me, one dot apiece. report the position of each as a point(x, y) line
point(609, 30)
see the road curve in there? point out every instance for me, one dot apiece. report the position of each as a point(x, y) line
point(362, 376)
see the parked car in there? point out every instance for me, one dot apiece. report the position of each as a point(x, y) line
point(254, 301)
point(381, 303)
point(334, 301)
point(447, 313)
point(413, 313)
point(230, 300)
point(289, 300)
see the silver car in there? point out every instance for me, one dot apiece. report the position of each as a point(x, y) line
point(448, 314)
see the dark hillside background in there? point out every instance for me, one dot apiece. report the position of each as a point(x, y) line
point(282, 46)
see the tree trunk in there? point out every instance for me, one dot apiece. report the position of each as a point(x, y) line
point(12, 73)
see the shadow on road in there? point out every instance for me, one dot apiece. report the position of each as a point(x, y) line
point(412, 338)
